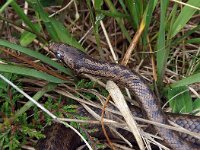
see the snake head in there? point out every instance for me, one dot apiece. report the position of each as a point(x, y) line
point(72, 57)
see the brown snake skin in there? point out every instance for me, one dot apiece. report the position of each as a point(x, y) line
point(82, 63)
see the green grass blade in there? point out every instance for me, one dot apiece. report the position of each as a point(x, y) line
point(26, 38)
point(147, 18)
point(180, 100)
point(2, 8)
point(123, 7)
point(55, 29)
point(29, 72)
point(184, 16)
point(24, 17)
point(194, 41)
point(187, 34)
point(111, 14)
point(187, 81)
point(196, 104)
point(95, 19)
point(37, 96)
point(162, 51)
point(37, 55)
point(134, 12)
point(119, 21)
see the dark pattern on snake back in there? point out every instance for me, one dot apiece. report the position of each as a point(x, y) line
point(82, 63)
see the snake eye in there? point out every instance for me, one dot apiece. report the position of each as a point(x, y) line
point(58, 55)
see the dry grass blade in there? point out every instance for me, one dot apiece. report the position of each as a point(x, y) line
point(121, 104)
point(133, 43)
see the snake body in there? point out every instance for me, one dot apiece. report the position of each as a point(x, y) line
point(82, 63)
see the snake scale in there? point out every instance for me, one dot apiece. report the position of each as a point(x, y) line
point(82, 63)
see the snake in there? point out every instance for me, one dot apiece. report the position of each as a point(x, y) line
point(81, 63)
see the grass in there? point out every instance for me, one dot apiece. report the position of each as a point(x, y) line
point(105, 30)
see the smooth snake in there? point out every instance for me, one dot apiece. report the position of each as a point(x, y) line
point(82, 63)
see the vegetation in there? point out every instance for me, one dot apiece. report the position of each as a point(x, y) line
point(158, 38)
